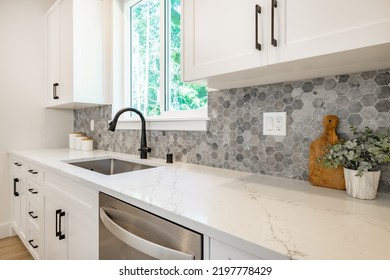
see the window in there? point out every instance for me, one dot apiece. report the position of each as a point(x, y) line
point(152, 63)
point(144, 61)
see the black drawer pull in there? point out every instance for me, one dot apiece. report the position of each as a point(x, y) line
point(32, 191)
point(17, 164)
point(33, 172)
point(16, 180)
point(32, 245)
point(31, 213)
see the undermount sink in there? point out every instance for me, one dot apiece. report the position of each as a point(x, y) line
point(111, 166)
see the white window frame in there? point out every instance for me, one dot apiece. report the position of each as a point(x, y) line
point(189, 120)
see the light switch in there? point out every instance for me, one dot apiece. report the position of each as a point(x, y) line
point(274, 123)
point(269, 124)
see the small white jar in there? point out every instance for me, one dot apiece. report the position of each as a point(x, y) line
point(72, 139)
point(87, 144)
point(78, 141)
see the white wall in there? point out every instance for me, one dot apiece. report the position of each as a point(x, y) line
point(24, 123)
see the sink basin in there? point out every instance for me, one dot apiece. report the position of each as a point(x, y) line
point(111, 166)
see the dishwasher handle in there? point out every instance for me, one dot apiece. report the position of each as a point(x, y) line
point(145, 246)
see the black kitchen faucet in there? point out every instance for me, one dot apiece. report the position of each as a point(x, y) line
point(144, 150)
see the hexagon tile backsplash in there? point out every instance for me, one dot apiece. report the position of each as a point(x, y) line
point(234, 138)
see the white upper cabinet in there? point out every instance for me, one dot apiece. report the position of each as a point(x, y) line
point(75, 57)
point(308, 28)
point(52, 21)
point(299, 39)
point(219, 36)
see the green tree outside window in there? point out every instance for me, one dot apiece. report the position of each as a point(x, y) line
point(145, 57)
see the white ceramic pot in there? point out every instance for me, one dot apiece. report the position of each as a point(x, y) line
point(364, 187)
point(87, 144)
point(72, 139)
point(78, 140)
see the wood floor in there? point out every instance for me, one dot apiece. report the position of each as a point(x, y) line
point(12, 248)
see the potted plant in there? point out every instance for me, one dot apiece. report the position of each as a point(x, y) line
point(360, 157)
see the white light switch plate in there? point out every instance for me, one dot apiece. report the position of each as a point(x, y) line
point(274, 123)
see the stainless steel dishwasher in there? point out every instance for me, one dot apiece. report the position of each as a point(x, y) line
point(129, 233)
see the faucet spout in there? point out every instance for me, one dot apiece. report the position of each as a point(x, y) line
point(144, 150)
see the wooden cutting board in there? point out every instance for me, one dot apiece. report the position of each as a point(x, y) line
point(319, 175)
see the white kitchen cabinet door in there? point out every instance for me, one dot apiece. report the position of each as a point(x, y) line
point(74, 48)
point(300, 39)
point(69, 233)
point(18, 194)
point(83, 237)
point(19, 206)
point(56, 225)
point(309, 28)
point(222, 251)
point(53, 54)
point(219, 37)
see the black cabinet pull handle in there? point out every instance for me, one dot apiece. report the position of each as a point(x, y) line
point(32, 245)
point(257, 12)
point(62, 236)
point(17, 164)
point(59, 234)
point(33, 172)
point(31, 213)
point(274, 4)
point(16, 180)
point(57, 214)
point(55, 96)
point(32, 191)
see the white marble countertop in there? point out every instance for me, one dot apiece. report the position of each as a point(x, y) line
point(264, 215)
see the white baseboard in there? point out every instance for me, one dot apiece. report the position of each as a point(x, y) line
point(5, 230)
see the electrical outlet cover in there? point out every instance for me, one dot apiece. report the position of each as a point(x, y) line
point(274, 123)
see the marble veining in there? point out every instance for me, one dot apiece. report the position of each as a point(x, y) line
point(271, 222)
point(271, 217)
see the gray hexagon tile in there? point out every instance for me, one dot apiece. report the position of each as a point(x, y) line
point(234, 138)
point(383, 92)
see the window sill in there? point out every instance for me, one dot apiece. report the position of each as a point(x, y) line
point(182, 124)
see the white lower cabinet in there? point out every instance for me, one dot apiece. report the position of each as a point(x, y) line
point(18, 197)
point(19, 206)
point(55, 218)
point(222, 251)
point(237, 250)
point(69, 234)
point(26, 208)
point(56, 235)
point(34, 214)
